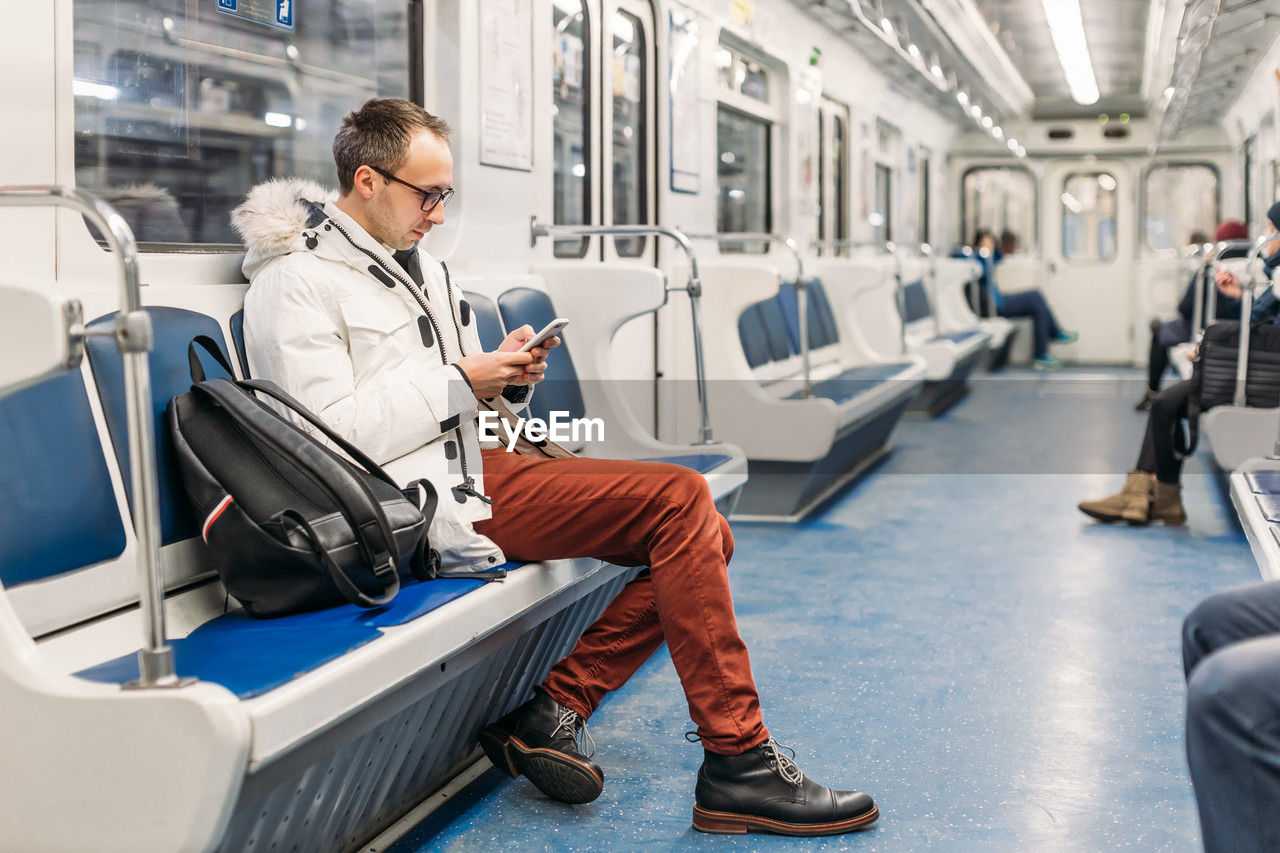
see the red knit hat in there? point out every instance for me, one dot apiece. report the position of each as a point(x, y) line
point(1231, 229)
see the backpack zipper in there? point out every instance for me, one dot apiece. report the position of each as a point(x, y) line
point(468, 486)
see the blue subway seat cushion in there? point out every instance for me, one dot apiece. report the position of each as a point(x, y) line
point(1264, 482)
point(959, 337)
point(173, 329)
point(252, 656)
point(703, 463)
point(60, 511)
point(561, 392)
point(854, 381)
point(1270, 506)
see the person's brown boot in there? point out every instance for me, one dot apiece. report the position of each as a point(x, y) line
point(1166, 504)
point(1130, 504)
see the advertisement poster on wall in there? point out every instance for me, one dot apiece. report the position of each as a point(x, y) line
point(506, 84)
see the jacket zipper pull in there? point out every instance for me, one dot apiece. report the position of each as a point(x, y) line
point(468, 487)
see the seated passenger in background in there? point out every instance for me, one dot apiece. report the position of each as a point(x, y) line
point(1153, 489)
point(1024, 303)
point(350, 315)
point(1231, 658)
point(1166, 334)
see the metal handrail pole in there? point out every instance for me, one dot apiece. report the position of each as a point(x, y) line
point(900, 293)
point(1201, 285)
point(134, 339)
point(693, 288)
point(1246, 310)
point(926, 251)
point(802, 296)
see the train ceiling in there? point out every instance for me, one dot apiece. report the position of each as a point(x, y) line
point(1182, 62)
point(1116, 34)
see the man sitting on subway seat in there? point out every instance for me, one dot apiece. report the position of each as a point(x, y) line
point(352, 317)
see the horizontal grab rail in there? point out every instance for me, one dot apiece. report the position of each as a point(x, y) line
point(693, 286)
point(134, 339)
point(801, 286)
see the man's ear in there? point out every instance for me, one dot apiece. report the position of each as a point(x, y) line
point(363, 182)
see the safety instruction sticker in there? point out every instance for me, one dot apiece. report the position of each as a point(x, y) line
point(276, 13)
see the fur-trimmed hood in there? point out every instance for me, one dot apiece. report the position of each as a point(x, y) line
point(273, 216)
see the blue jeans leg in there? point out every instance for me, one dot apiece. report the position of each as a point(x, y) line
point(1231, 650)
point(1031, 303)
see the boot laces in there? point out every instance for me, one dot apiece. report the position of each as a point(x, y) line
point(571, 723)
point(783, 764)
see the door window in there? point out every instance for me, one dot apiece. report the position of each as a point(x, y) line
point(571, 120)
point(1088, 207)
point(1180, 205)
point(1002, 200)
point(630, 130)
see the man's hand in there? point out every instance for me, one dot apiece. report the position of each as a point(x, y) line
point(1229, 284)
point(533, 374)
point(490, 372)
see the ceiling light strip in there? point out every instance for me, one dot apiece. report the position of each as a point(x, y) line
point(1067, 28)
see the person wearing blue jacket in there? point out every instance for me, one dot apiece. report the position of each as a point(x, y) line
point(1024, 303)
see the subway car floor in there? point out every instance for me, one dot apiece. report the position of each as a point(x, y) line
point(950, 635)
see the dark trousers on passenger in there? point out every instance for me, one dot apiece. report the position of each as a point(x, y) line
point(1031, 303)
point(1164, 336)
point(636, 514)
point(1159, 455)
point(1231, 655)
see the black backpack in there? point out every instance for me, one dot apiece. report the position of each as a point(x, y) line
point(292, 525)
point(1214, 374)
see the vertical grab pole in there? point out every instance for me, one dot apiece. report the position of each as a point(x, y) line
point(1201, 283)
point(1246, 310)
point(899, 295)
point(802, 309)
point(134, 339)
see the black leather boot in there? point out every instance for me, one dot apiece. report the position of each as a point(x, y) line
point(762, 790)
point(541, 740)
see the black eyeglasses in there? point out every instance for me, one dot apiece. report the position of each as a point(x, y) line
point(430, 198)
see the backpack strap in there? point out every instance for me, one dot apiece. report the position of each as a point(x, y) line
point(425, 564)
point(282, 397)
point(352, 496)
point(210, 346)
point(349, 591)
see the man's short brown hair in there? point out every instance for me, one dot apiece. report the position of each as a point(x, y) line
point(378, 135)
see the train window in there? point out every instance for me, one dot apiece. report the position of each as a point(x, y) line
point(1179, 200)
point(1089, 217)
point(630, 130)
point(743, 177)
point(571, 119)
point(1000, 199)
point(742, 74)
point(180, 107)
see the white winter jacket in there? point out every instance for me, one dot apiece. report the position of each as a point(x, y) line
point(332, 318)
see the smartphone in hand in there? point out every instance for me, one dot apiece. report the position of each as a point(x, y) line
point(549, 331)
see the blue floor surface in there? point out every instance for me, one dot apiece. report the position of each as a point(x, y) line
point(950, 635)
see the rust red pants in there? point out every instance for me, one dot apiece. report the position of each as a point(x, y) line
point(635, 514)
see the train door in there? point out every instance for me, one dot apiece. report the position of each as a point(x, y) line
point(1089, 248)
